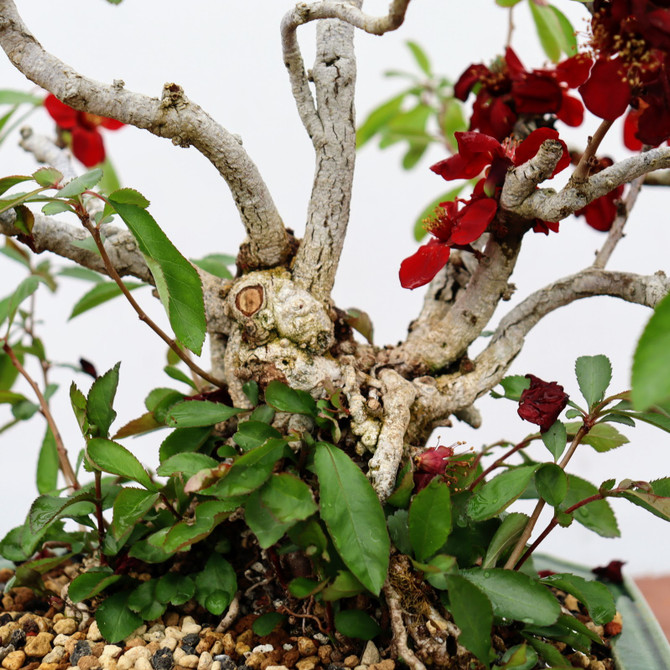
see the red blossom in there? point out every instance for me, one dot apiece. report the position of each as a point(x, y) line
point(542, 402)
point(601, 212)
point(610, 572)
point(87, 144)
point(431, 463)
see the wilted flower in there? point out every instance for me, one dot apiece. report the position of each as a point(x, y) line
point(542, 402)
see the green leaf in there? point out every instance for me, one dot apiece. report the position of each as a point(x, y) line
point(99, 403)
point(252, 434)
point(145, 602)
point(130, 506)
point(111, 457)
point(594, 374)
point(507, 3)
point(182, 440)
point(208, 515)
point(430, 519)
point(80, 184)
point(10, 305)
point(547, 651)
point(115, 620)
point(250, 471)
point(495, 495)
point(216, 578)
point(555, 439)
point(361, 322)
point(99, 294)
point(56, 207)
point(263, 524)
point(285, 399)
point(650, 382)
point(398, 528)
point(266, 623)
point(404, 487)
point(595, 596)
point(548, 30)
point(658, 505)
point(437, 569)
point(194, 413)
point(602, 437)
point(187, 463)
point(46, 509)
point(130, 196)
point(353, 515)
point(180, 376)
point(177, 281)
point(78, 402)
point(519, 657)
point(356, 624)
point(420, 224)
point(420, 57)
point(48, 177)
point(216, 264)
point(515, 595)
point(551, 483)
point(10, 97)
point(567, 36)
point(505, 538)
point(287, 498)
point(513, 387)
point(175, 588)
point(378, 119)
point(8, 182)
point(345, 585)
point(473, 614)
point(47, 464)
point(597, 515)
point(252, 391)
point(91, 583)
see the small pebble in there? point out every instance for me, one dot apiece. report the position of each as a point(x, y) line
point(65, 626)
point(189, 626)
point(55, 655)
point(189, 661)
point(143, 664)
point(262, 648)
point(169, 643)
point(111, 651)
point(162, 659)
point(276, 667)
point(351, 661)
point(179, 653)
point(371, 654)
point(89, 662)
point(205, 662)
point(216, 666)
point(306, 646)
point(226, 662)
point(60, 640)
point(17, 638)
point(14, 660)
point(39, 645)
point(94, 633)
point(386, 664)
point(81, 649)
point(308, 663)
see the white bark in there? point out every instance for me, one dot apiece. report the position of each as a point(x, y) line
point(173, 116)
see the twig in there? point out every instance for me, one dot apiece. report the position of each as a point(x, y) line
point(65, 466)
point(499, 461)
point(584, 166)
point(111, 271)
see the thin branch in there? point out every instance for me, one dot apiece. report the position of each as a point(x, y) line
point(173, 116)
point(330, 122)
point(584, 166)
point(111, 271)
point(65, 466)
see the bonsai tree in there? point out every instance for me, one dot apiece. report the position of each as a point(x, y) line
point(300, 445)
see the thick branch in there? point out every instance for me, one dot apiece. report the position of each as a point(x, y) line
point(330, 122)
point(461, 390)
point(548, 205)
point(174, 117)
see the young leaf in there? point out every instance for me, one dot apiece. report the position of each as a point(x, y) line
point(551, 483)
point(594, 374)
point(404, 487)
point(513, 387)
point(430, 519)
point(345, 585)
point(180, 376)
point(115, 620)
point(651, 383)
point(505, 538)
point(47, 464)
point(130, 506)
point(500, 492)
point(99, 294)
point(56, 207)
point(194, 413)
point(658, 505)
point(89, 584)
point(80, 184)
point(46, 509)
point(183, 440)
point(208, 515)
point(111, 457)
point(47, 176)
point(398, 527)
point(285, 399)
point(548, 30)
point(356, 624)
point(186, 463)
point(378, 118)
point(420, 57)
point(145, 602)
point(595, 596)
point(555, 439)
point(216, 264)
point(177, 281)
point(216, 578)
point(567, 37)
point(266, 623)
point(602, 437)
point(99, 403)
point(252, 434)
point(515, 595)
point(263, 524)
point(175, 588)
point(351, 510)
point(473, 614)
point(288, 498)
point(597, 515)
point(10, 305)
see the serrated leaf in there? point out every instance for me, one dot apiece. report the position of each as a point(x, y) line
point(100, 400)
point(8, 182)
point(252, 434)
point(208, 515)
point(513, 387)
point(594, 374)
point(115, 620)
point(183, 440)
point(111, 457)
point(143, 424)
point(356, 624)
point(505, 538)
point(473, 614)
point(177, 281)
point(89, 584)
point(187, 463)
point(658, 505)
point(353, 515)
point(144, 601)
point(46, 509)
point(555, 439)
point(130, 506)
point(216, 578)
point(602, 437)
point(99, 294)
point(47, 177)
point(47, 464)
point(175, 588)
point(500, 492)
point(80, 184)
point(194, 413)
point(430, 519)
point(78, 402)
point(285, 399)
point(597, 515)
point(515, 595)
point(595, 596)
point(551, 483)
point(56, 207)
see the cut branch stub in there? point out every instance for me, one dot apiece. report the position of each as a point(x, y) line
point(250, 299)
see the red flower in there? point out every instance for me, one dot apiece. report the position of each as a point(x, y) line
point(429, 464)
point(542, 402)
point(87, 143)
point(601, 212)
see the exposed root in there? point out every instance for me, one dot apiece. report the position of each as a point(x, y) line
point(231, 615)
point(399, 643)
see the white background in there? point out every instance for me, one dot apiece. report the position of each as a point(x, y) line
point(227, 57)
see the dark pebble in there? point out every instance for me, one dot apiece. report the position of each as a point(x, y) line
point(334, 666)
point(191, 639)
point(82, 648)
point(18, 638)
point(243, 667)
point(5, 618)
point(227, 663)
point(162, 659)
point(30, 627)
